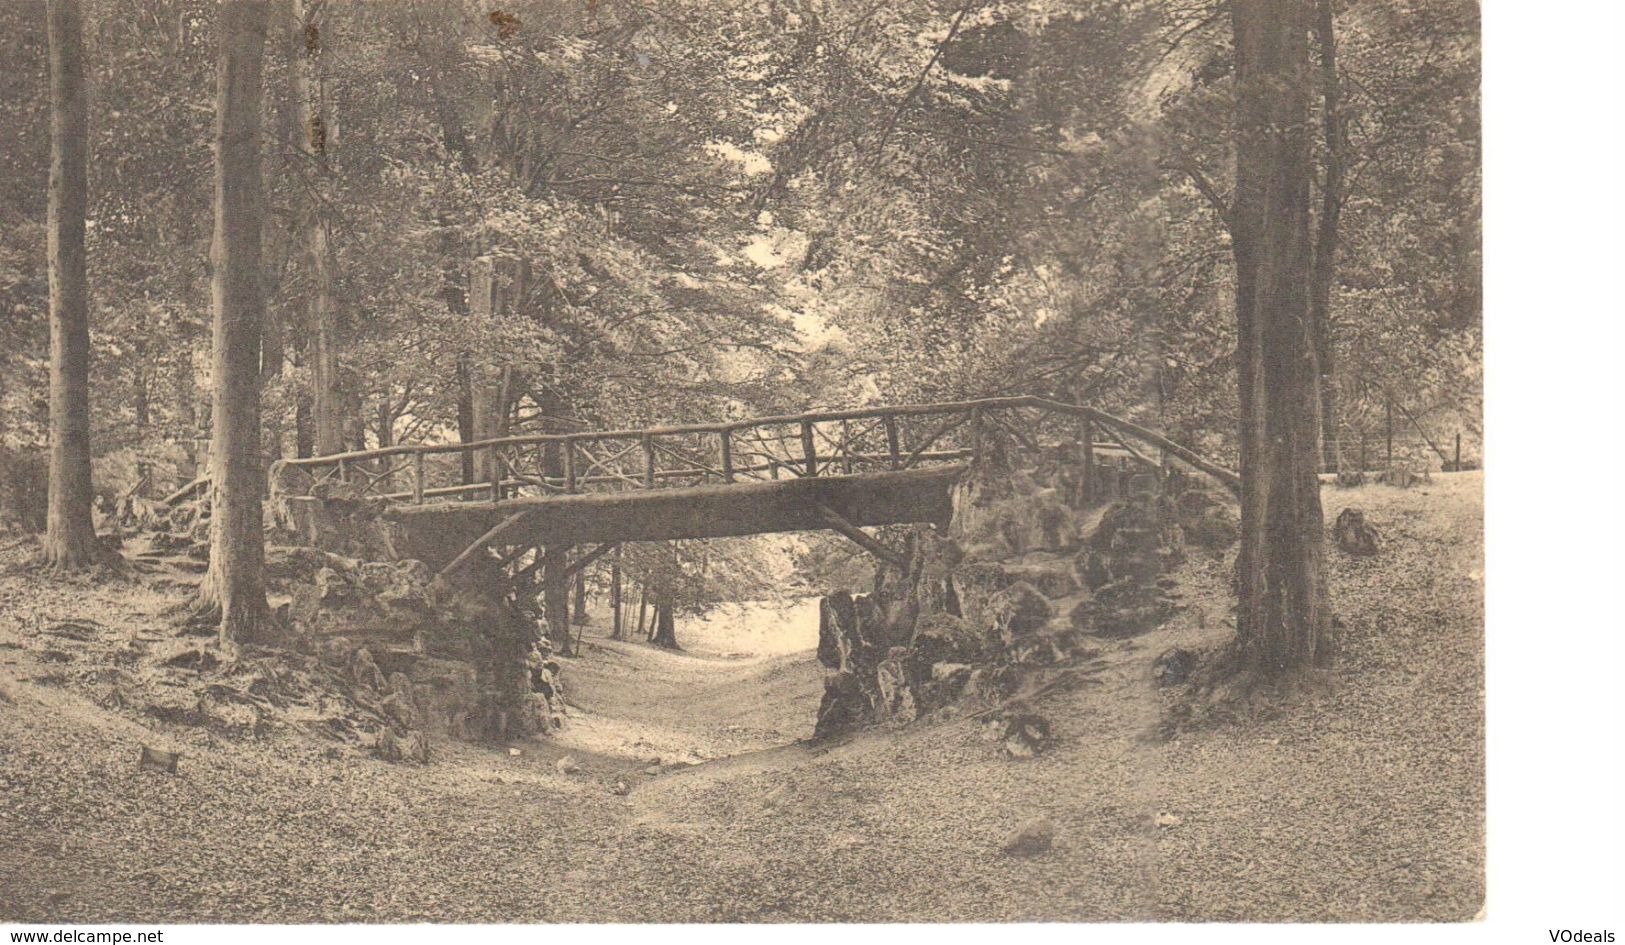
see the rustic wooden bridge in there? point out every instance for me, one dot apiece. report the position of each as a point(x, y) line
point(842, 470)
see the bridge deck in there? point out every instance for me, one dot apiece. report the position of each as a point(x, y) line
point(437, 532)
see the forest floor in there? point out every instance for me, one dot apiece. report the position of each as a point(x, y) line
point(1362, 800)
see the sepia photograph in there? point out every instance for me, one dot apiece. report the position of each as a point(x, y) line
point(650, 462)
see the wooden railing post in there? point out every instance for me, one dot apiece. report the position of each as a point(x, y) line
point(417, 478)
point(1456, 466)
point(893, 447)
point(727, 456)
point(808, 448)
point(648, 461)
point(343, 473)
point(570, 466)
point(496, 474)
point(846, 447)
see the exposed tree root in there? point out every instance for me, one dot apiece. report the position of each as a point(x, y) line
point(1227, 689)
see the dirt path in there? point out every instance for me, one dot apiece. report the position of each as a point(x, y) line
point(1366, 803)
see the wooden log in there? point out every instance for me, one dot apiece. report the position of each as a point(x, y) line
point(496, 531)
point(587, 559)
point(862, 539)
point(809, 449)
point(569, 466)
point(893, 445)
point(648, 461)
point(417, 478)
point(846, 447)
point(726, 440)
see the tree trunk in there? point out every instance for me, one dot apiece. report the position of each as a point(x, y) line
point(578, 612)
point(70, 536)
point(617, 629)
point(304, 426)
point(235, 582)
point(643, 609)
point(665, 628)
point(556, 597)
point(498, 286)
point(1325, 250)
point(309, 93)
point(465, 415)
point(1283, 620)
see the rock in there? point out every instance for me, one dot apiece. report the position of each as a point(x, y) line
point(333, 587)
point(365, 672)
point(400, 705)
point(1173, 667)
point(411, 746)
point(1031, 838)
point(1038, 523)
point(1400, 477)
point(1025, 735)
point(974, 584)
point(1017, 611)
point(942, 637)
point(1091, 569)
point(567, 765)
point(1165, 819)
point(154, 760)
point(837, 625)
point(896, 697)
point(620, 788)
point(1051, 577)
point(844, 707)
point(1354, 536)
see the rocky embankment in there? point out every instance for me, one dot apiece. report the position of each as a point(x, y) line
point(1033, 573)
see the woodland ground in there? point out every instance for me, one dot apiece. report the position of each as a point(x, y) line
point(1361, 801)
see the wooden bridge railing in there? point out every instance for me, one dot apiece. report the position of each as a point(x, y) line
point(827, 443)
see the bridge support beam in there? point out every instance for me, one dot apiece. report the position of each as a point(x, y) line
point(838, 522)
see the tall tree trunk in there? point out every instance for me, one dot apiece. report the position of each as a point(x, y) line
point(1325, 251)
point(617, 619)
point(465, 414)
point(70, 536)
point(498, 285)
point(1283, 621)
point(556, 597)
point(309, 92)
point(384, 429)
point(643, 609)
point(304, 426)
point(235, 582)
point(578, 612)
point(665, 628)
